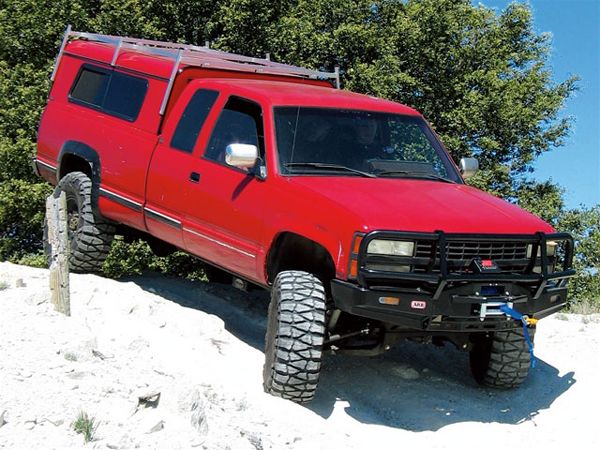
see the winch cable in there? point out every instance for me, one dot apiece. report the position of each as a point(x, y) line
point(527, 322)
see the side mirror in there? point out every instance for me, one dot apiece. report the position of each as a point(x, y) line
point(468, 167)
point(243, 156)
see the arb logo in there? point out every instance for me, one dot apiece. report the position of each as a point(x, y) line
point(418, 304)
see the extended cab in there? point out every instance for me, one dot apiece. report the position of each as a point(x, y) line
point(345, 206)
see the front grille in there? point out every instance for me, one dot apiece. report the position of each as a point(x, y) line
point(511, 257)
point(486, 250)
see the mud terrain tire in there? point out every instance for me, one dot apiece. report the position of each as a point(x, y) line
point(502, 359)
point(90, 235)
point(295, 335)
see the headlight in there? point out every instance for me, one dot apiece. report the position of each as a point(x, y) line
point(392, 248)
point(550, 249)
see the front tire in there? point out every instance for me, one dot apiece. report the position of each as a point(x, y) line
point(295, 335)
point(90, 235)
point(501, 359)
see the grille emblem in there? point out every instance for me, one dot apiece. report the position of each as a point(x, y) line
point(479, 265)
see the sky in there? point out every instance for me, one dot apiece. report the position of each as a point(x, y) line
point(575, 27)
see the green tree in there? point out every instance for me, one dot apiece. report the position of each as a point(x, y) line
point(584, 226)
point(244, 26)
point(481, 78)
point(542, 199)
point(30, 34)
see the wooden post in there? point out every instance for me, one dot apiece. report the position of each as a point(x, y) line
point(58, 238)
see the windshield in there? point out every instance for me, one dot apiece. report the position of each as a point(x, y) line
point(350, 142)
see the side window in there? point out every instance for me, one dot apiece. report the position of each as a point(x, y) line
point(240, 122)
point(192, 119)
point(90, 87)
point(114, 93)
point(125, 95)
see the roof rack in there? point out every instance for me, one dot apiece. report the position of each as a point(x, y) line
point(193, 55)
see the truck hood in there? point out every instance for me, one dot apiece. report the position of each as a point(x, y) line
point(420, 205)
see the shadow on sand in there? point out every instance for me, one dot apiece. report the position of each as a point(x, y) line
point(413, 387)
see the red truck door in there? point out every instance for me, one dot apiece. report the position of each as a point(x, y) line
point(196, 201)
point(224, 221)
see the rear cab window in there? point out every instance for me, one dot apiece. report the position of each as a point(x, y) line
point(114, 93)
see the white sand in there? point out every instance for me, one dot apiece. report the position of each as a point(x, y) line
point(199, 346)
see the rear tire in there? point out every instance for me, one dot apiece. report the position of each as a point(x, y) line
point(295, 335)
point(501, 360)
point(90, 235)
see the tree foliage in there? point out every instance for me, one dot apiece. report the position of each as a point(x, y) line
point(481, 78)
point(584, 225)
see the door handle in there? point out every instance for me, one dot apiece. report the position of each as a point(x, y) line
point(194, 177)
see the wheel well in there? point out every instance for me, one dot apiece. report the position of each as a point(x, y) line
point(73, 163)
point(294, 252)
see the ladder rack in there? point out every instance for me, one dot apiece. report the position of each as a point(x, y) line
point(194, 56)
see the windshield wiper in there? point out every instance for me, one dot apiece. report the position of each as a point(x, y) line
point(327, 166)
point(427, 176)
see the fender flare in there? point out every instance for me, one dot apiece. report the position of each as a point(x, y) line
point(89, 155)
point(86, 153)
point(331, 243)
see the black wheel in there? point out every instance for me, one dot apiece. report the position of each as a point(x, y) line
point(90, 235)
point(501, 359)
point(216, 275)
point(295, 335)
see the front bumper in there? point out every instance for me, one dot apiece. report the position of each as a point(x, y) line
point(457, 309)
point(442, 298)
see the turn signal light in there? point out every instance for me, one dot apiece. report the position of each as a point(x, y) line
point(356, 244)
point(353, 269)
point(353, 265)
point(389, 300)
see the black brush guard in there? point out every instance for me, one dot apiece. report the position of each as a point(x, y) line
point(453, 299)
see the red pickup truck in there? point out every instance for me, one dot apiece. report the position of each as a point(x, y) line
point(345, 206)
